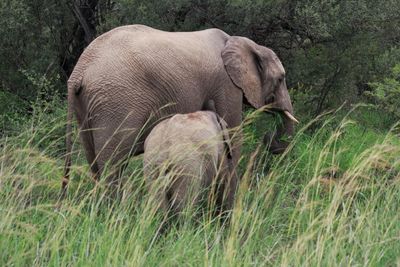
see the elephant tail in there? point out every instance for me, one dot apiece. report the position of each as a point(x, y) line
point(67, 166)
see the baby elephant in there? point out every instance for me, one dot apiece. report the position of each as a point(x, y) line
point(185, 155)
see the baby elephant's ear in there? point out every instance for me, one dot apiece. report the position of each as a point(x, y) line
point(225, 136)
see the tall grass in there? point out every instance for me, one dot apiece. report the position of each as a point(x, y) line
point(332, 199)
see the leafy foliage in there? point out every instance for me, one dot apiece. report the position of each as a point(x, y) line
point(331, 49)
point(387, 92)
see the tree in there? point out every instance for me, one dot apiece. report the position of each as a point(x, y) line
point(331, 49)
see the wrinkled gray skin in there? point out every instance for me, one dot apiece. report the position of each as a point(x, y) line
point(182, 157)
point(125, 77)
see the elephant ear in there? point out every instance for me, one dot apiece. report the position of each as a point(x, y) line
point(243, 64)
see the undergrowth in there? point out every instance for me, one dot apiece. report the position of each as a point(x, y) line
point(331, 199)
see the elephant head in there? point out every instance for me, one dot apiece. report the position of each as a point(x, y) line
point(259, 73)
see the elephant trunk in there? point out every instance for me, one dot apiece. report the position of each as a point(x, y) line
point(284, 107)
point(273, 140)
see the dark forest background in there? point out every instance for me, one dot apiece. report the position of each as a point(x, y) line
point(334, 51)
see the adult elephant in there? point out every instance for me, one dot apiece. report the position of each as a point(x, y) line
point(134, 73)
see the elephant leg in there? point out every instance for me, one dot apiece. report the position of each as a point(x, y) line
point(88, 145)
point(184, 192)
point(226, 186)
point(230, 190)
point(177, 195)
point(226, 107)
point(112, 153)
point(158, 191)
point(155, 173)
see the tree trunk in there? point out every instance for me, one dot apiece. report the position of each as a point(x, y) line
point(84, 31)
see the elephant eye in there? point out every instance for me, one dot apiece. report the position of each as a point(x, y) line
point(270, 99)
point(259, 66)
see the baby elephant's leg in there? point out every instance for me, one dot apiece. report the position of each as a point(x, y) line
point(157, 187)
point(184, 193)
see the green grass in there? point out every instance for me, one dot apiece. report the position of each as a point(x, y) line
point(332, 199)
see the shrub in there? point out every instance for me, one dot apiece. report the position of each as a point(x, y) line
point(386, 93)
